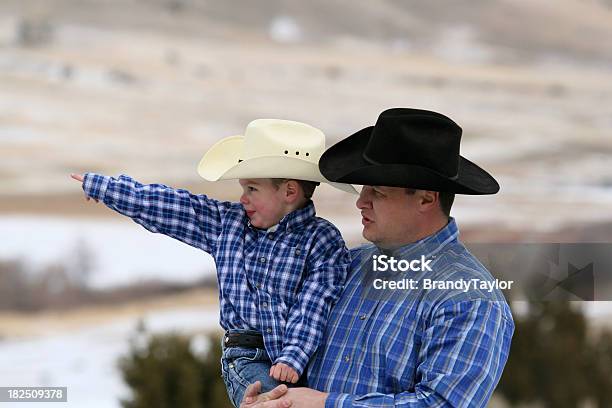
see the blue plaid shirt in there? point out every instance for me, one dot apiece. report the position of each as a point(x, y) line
point(414, 348)
point(280, 282)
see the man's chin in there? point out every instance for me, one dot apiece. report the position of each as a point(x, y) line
point(368, 234)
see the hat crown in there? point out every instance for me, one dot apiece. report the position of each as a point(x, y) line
point(415, 137)
point(277, 138)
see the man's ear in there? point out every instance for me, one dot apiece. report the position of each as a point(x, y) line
point(292, 191)
point(428, 199)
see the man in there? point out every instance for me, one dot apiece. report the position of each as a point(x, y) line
point(421, 346)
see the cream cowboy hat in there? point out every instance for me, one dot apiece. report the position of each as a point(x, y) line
point(270, 148)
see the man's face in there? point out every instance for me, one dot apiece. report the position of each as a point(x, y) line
point(263, 202)
point(388, 215)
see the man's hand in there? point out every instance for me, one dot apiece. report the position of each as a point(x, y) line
point(253, 399)
point(80, 178)
point(282, 372)
point(281, 397)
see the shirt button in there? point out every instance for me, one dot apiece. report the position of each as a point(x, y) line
point(269, 330)
point(270, 236)
point(262, 260)
point(347, 358)
point(265, 304)
point(297, 251)
point(258, 286)
point(362, 317)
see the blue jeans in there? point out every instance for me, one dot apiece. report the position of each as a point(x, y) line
point(241, 366)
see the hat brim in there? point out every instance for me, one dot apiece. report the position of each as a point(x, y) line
point(222, 162)
point(344, 163)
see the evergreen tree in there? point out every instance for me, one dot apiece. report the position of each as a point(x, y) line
point(555, 362)
point(162, 371)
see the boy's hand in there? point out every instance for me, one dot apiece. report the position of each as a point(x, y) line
point(79, 177)
point(282, 372)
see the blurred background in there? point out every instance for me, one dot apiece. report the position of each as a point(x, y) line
point(145, 87)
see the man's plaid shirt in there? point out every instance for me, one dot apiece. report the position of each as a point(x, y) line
point(414, 348)
point(281, 282)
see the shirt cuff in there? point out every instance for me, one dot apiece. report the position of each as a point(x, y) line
point(294, 357)
point(95, 185)
point(338, 400)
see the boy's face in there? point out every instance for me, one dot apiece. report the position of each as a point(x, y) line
point(265, 204)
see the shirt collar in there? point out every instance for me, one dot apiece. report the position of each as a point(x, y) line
point(298, 218)
point(272, 228)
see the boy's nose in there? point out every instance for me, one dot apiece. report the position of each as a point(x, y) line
point(243, 199)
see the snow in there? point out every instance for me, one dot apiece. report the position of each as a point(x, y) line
point(85, 360)
point(284, 29)
point(122, 252)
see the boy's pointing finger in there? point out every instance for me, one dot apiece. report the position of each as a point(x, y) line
point(77, 177)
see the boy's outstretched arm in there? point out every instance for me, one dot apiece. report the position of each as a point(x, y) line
point(192, 219)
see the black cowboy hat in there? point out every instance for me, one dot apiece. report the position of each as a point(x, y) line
point(407, 148)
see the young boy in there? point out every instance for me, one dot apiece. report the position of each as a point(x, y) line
point(279, 267)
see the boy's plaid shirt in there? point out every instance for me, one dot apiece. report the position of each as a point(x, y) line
point(281, 282)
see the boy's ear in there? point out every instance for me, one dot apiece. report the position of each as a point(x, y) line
point(292, 191)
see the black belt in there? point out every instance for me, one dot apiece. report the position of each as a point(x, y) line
point(250, 340)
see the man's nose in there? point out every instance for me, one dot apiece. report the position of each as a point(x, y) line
point(363, 201)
